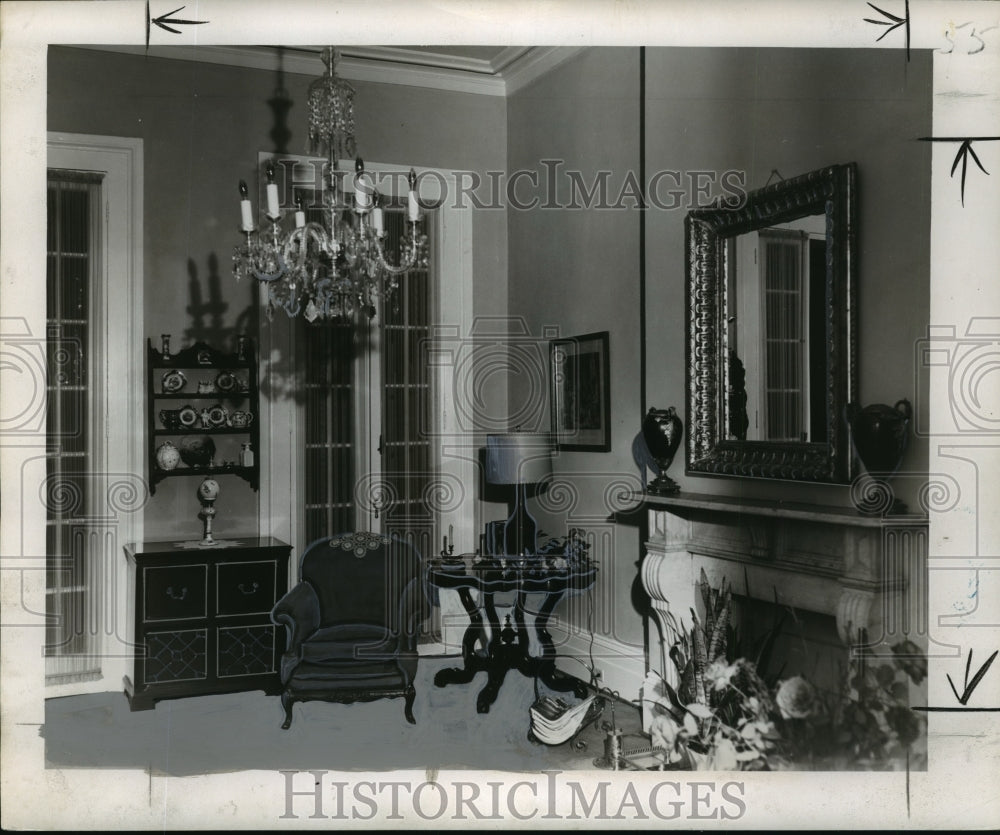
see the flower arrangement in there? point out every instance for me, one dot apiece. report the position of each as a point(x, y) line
point(724, 716)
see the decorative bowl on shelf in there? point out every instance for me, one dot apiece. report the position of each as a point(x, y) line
point(197, 451)
point(170, 418)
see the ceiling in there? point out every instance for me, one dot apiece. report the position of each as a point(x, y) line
point(485, 70)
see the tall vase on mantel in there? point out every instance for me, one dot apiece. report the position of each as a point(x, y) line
point(661, 435)
point(880, 434)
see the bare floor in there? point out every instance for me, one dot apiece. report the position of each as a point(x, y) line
point(240, 731)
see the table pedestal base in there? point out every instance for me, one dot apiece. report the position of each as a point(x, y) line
point(506, 649)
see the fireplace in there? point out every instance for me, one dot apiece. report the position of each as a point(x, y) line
point(859, 581)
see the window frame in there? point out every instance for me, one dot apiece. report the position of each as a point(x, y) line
point(118, 324)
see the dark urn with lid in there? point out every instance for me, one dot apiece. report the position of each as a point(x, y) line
point(661, 432)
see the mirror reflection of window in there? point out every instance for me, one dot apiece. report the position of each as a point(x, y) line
point(784, 285)
point(776, 333)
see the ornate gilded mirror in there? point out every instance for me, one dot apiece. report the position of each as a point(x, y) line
point(771, 321)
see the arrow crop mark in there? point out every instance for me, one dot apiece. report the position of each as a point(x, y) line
point(164, 19)
point(970, 686)
point(892, 22)
point(964, 152)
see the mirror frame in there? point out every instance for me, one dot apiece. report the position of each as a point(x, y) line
point(830, 191)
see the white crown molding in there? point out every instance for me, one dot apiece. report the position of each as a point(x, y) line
point(535, 64)
point(509, 55)
point(433, 77)
point(440, 60)
point(511, 69)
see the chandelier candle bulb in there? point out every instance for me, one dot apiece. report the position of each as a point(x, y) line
point(300, 216)
point(377, 220)
point(360, 191)
point(246, 210)
point(273, 208)
point(413, 203)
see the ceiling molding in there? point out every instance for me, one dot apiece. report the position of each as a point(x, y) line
point(535, 64)
point(355, 68)
point(460, 63)
point(511, 69)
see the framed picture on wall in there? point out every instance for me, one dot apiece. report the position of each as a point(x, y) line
point(580, 392)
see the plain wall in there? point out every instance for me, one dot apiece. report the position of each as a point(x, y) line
point(576, 271)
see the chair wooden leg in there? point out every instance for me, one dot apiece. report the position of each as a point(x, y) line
point(287, 700)
point(411, 694)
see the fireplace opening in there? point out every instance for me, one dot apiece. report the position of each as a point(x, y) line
point(786, 642)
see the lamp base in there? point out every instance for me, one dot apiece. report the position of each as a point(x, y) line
point(520, 531)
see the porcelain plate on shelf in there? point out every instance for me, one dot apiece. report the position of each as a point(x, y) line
point(217, 416)
point(187, 416)
point(226, 382)
point(173, 381)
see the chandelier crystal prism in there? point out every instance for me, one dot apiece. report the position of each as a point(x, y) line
point(338, 267)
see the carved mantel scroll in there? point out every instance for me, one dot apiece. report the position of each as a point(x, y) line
point(828, 560)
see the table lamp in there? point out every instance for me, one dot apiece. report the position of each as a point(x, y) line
point(519, 458)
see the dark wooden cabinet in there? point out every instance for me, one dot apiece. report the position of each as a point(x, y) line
point(204, 395)
point(202, 618)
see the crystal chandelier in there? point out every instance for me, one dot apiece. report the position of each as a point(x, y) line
point(338, 267)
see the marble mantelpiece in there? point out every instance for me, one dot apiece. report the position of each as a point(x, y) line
point(833, 561)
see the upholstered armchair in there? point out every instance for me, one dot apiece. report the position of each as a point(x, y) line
point(352, 622)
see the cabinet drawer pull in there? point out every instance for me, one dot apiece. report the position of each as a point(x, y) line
point(176, 595)
point(248, 590)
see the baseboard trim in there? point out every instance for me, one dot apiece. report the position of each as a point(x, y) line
point(622, 667)
point(435, 649)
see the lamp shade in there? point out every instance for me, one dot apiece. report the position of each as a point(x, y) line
point(518, 458)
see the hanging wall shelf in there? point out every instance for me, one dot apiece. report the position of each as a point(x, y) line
point(202, 412)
